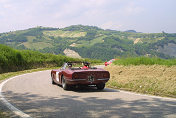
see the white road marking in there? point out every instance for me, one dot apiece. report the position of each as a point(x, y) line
point(151, 96)
point(9, 105)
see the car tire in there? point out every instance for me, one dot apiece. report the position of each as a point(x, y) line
point(52, 76)
point(100, 86)
point(64, 84)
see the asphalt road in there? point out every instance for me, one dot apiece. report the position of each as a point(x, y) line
point(36, 96)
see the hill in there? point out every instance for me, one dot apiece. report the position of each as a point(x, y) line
point(92, 42)
point(131, 31)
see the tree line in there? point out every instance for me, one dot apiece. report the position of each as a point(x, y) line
point(12, 60)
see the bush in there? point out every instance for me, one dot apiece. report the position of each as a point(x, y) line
point(15, 60)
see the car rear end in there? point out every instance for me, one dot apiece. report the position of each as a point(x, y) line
point(89, 77)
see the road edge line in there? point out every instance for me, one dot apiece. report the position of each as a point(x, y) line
point(9, 105)
point(151, 96)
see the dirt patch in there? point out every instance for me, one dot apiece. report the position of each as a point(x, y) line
point(73, 45)
point(71, 53)
point(137, 40)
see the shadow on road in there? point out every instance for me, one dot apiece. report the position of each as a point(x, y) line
point(67, 106)
point(85, 89)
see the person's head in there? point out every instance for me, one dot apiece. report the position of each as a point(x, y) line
point(86, 64)
point(69, 65)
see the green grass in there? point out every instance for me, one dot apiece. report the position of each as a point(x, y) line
point(4, 76)
point(60, 33)
point(2, 115)
point(84, 43)
point(96, 40)
point(30, 38)
point(37, 45)
point(145, 61)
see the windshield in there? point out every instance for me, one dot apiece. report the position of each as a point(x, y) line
point(76, 66)
point(64, 66)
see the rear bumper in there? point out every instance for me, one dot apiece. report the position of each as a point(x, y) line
point(86, 81)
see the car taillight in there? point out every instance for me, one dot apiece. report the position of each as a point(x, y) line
point(75, 76)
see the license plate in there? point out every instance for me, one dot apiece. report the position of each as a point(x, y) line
point(90, 78)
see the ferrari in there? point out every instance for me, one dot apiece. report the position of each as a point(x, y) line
point(71, 75)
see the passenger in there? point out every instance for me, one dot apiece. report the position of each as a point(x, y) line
point(86, 65)
point(69, 65)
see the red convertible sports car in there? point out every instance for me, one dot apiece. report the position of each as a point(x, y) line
point(70, 75)
point(109, 62)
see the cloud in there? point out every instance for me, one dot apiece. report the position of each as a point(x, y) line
point(89, 3)
point(116, 14)
point(111, 25)
point(132, 9)
point(59, 13)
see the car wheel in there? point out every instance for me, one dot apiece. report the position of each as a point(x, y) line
point(100, 86)
point(64, 84)
point(52, 79)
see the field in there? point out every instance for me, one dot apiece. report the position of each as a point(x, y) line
point(157, 80)
point(65, 33)
point(145, 61)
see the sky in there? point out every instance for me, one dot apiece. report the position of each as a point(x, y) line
point(148, 16)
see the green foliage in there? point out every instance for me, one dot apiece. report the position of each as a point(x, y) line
point(145, 61)
point(15, 60)
point(90, 42)
point(163, 42)
point(81, 28)
point(110, 48)
point(37, 31)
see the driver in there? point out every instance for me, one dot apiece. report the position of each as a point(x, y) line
point(69, 65)
point(86, 65)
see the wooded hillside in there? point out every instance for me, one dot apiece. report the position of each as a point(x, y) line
point(92, 42)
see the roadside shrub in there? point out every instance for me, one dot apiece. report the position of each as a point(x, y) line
point(15, 60)
point(145, 61)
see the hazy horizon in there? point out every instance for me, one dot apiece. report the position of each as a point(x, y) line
point(152, 16)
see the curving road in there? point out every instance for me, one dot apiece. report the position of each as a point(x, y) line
point(35, 95)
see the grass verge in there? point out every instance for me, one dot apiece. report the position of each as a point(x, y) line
point(145, 61)
point(11, 74)
point(147, 79)
point(3, 115)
